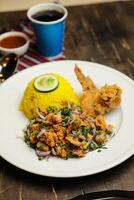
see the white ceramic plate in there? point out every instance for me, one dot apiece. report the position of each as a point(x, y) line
point(12, 122)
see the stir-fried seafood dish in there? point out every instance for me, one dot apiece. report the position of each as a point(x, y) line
point(66, 132)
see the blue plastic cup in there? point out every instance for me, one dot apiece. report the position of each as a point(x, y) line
point(49, 35)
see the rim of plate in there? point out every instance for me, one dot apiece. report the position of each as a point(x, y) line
point(105, 67)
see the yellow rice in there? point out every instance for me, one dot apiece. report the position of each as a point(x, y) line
point(33, 98)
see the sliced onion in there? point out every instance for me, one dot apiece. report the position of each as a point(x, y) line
point(82, 137)
point(74, 132)
point(27, 131)
point(53, 152)
point(92, 146)
point(66, 123)
point(39, 120)
point(40, 114)
point(75, 112)
point(86, 151)
point(32, 121)
point(47, 157)
point(91, 122)
point(42, 153)
point(94, 132)
point(71, 121)
point(41, 133)
point(82, 117)
point(69, 106)
point(59, 112)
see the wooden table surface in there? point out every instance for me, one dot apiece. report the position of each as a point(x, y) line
point(102, 33)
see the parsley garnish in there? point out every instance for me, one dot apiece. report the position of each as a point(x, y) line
point(50, 109)
point(84, 130)
point(65, 111)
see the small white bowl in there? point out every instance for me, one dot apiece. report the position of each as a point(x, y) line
point(19, 50)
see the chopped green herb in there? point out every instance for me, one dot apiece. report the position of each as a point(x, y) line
point(46, 127)
point(109, 132)
point(103, 147)
point(66, 146)
point(95, 145)
point(65, 120)
point(40, 148)
point(70, 155)
point(26, 138)
point(32, 145)
point(78, 133)
point(84, 130)
point(35, 132)
point(40, 158)
point(79, 109)
point(50, 109)
point(99, 132)
point(65, 111)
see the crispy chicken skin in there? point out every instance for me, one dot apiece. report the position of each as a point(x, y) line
point(89, 92)
point(108, 98)
point(95, 101)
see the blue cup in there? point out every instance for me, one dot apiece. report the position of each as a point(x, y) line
point(49, 35)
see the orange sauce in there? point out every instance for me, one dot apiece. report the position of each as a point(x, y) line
point(12, 42)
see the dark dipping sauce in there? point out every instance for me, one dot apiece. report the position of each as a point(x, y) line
point(12, 42)
point(48, 16)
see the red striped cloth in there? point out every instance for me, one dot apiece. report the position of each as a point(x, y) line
point(32, 57)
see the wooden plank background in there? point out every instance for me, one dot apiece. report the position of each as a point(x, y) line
point(13, 5)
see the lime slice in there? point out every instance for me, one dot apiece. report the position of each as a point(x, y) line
point(46, 83)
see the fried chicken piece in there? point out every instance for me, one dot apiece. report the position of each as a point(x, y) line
point(42, 146)
point(51, 138)
point(86, 82)
point(73, 140)
point(60, 132)
point(89, 91)
point(61, 152)
point(54, 118)
point(78, 152)
point(107, 98)
point(97, 101)
point(100, 139)
point(35, 127)
point(100, 122)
